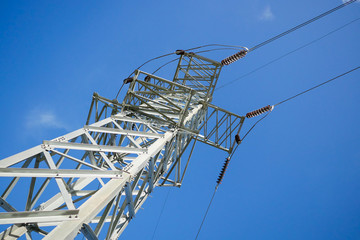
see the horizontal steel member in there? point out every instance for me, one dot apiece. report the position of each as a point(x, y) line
point(62, 173)
point(38, 216)
point(122, 132)
point(91, 147)
point(128, 119)
point(191, 54)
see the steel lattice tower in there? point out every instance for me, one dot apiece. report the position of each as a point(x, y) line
point(94, 180)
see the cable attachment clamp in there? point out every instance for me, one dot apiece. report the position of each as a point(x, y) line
point(235, 57)
point(259, 111)
point(128, 80)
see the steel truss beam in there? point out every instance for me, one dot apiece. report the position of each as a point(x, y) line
point(94, 180)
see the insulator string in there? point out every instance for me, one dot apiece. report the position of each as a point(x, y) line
point(254, 125)
point(285, 55)
point(234, 57)
point(218, 182)
point(259, 111)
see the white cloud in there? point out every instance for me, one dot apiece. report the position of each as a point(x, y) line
point(43, 119)
point(267, 14)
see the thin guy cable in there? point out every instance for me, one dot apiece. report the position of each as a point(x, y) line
point(168, 54)
point(216, 188)
point(165, 65)
point(255, 125)
point(162, 209)
point(210, 45)
point(207, 210)
point(216, 49)
point(278, 58)
point(119, 91)
point(303, 92)
point(319, 85)
point(301, 25)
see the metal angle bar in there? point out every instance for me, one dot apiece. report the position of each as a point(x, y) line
point(151, 174)
point(218, 123)
point(176, 100)
point(228, 133)
point(187, 163)
point(106, 159)
point(6, 206)
point(76, 160)
point(103, 218)
point(123, 132)
point(199, 65)
point(61, 173)
point(162, 96)
point(120, 229)
point(132, 120)
point(163, 92)
point(32, 186)
point(116, 218)
point(129, 199)
point(153, 101)
point(136, 109)
point(154, 109)
point(61, 184)
point(201, 74)
point(45, 183)
point(91, 147)
point(38, 216)
point(213, 62)
point(14, 159)
point(158, 104)
point(14, 181)
point(128, 136)
point(176, 161)
point(57, 199)
point(122, 219)
point(90, 110)
point(88, 210)
point(181, 120)
point(113, 216)
point(166, 81)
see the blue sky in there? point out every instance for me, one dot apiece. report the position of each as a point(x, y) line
point(296, 176)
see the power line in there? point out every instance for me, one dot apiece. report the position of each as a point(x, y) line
point(216, 187)
point(252, 127)
point(161, 212)
point(296, 95)
point(207, 210)
point(287, 54)
point(169, 54)
point(319, 85)
point(301, 25)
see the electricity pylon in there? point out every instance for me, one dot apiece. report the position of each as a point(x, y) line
point(94, 180)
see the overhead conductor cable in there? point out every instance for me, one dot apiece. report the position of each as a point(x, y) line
point(242, 53)
point(219, 180)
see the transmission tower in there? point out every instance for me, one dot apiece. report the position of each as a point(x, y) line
point(92, 181)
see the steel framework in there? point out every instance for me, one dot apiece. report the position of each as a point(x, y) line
point(94, 180)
